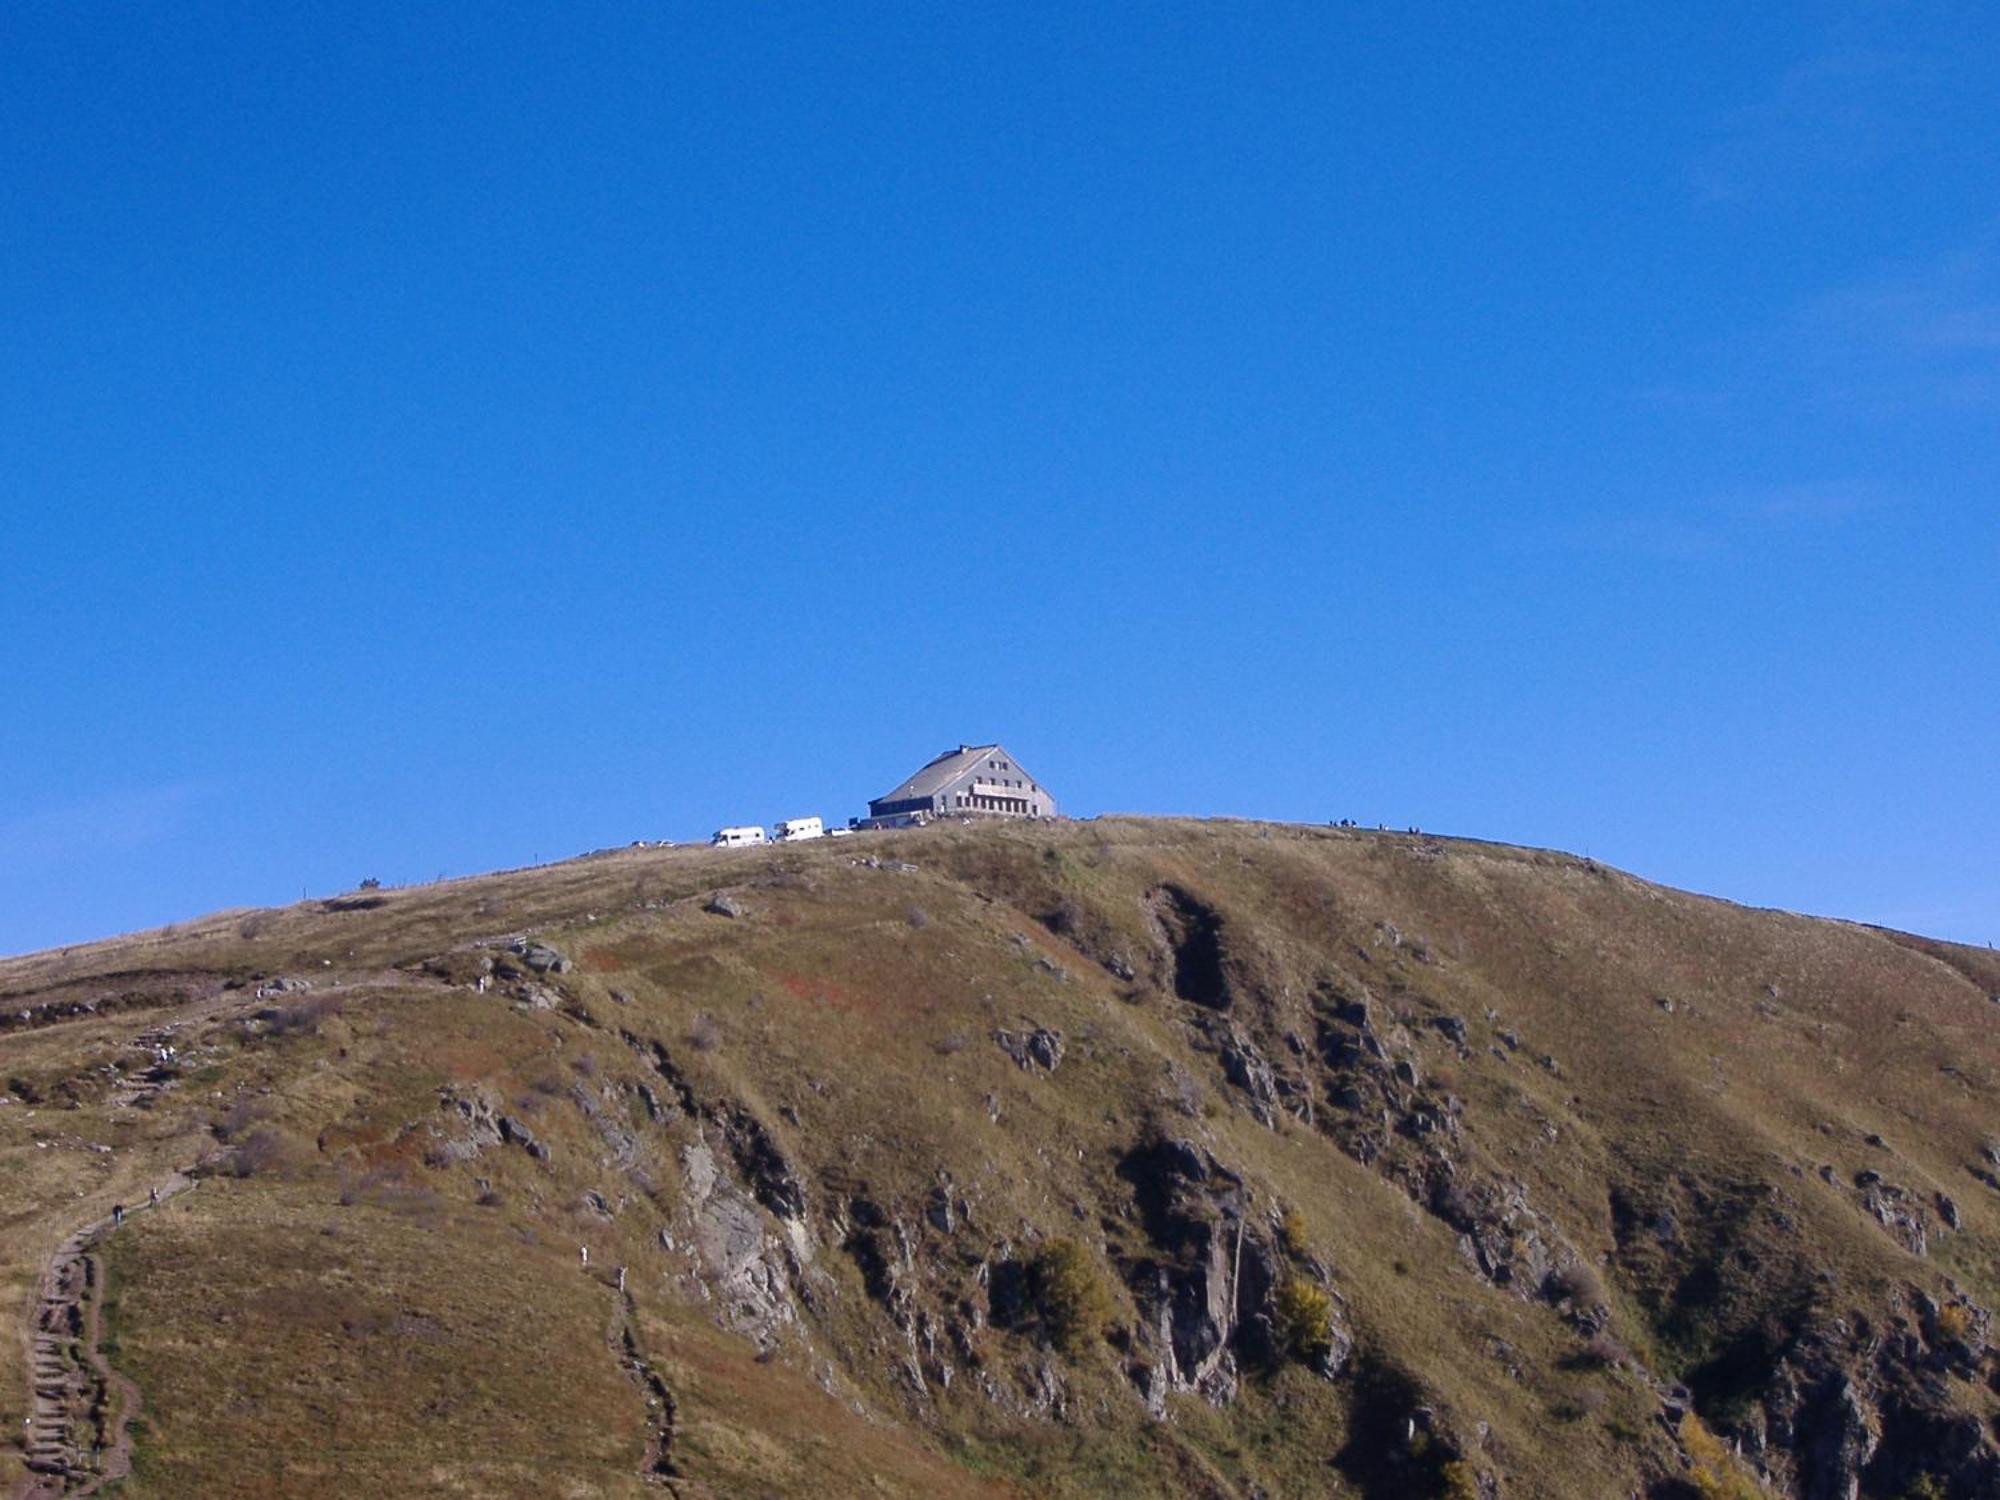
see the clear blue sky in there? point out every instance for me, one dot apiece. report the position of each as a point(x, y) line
point(438, 436)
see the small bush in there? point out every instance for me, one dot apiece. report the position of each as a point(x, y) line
point(1715, 1475)
point(23, 1090)
point(244, 1111)
point(704, 1035)
point(1576, 1282)
point(1069, 1295)
point(1954, 1321)
point(1292, 1234)
point(919, 918)
point(1305, 1321)
point(260, 1152)
point(1600, 1352)
point(305, 1017)
point(1458, 1480)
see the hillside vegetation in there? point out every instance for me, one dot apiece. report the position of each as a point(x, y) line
point(1119, 1158)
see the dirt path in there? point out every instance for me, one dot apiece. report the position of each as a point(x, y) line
point(80, 1410)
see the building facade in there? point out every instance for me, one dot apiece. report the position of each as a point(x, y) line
point(972, 781)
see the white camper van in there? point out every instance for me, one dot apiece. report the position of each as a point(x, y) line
point(737, 838)
point(791, 830)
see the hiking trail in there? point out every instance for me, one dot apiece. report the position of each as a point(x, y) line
point(80, 1410)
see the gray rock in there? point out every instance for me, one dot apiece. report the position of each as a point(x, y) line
point(1453, 1029)
point(1041, 1048)
point(1248, 1070)
point(723, 905)
point(473, 1126)
point(1839, 1442)
point(515, 1133)
point(541, 958)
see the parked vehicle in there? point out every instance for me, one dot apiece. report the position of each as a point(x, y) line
point(738, 838)
point(791, 830)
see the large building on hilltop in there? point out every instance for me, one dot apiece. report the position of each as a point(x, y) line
point(971, 781)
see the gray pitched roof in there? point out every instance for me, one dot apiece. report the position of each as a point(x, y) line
point(940, 772)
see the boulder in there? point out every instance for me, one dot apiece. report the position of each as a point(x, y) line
point(541, 958)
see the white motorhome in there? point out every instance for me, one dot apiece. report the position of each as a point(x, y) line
point(737, 838)
point(791, 830)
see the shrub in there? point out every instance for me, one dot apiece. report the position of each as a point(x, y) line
point(1578, 1283)
point(1600, 1352)
point(260, 1152)
point(1305, 1321)
point(1715, 1475)
point(1069, 1295)
point(704, 1035)
point(1458, 1480)
point(1954, 1321)
point(1292, 1234)
point(244, 1111)
point(304, 1017)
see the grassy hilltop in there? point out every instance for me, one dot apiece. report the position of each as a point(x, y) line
point(1119, 1158)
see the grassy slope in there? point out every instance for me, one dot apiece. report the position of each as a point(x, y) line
point(359, 1315)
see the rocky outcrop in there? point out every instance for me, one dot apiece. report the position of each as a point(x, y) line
point(1205, 1287)
point(1040, 1048)
point(741, 1264)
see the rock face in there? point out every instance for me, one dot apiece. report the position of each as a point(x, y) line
point(1206, 1289)
point(740, 1261)
point(1839, 1444)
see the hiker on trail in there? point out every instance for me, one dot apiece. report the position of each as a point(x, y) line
point(117, 1214)
point(584, 1251)
point(621, 1278)
point(152, 1197)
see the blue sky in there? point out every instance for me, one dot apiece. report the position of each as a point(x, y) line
point(438, 437)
